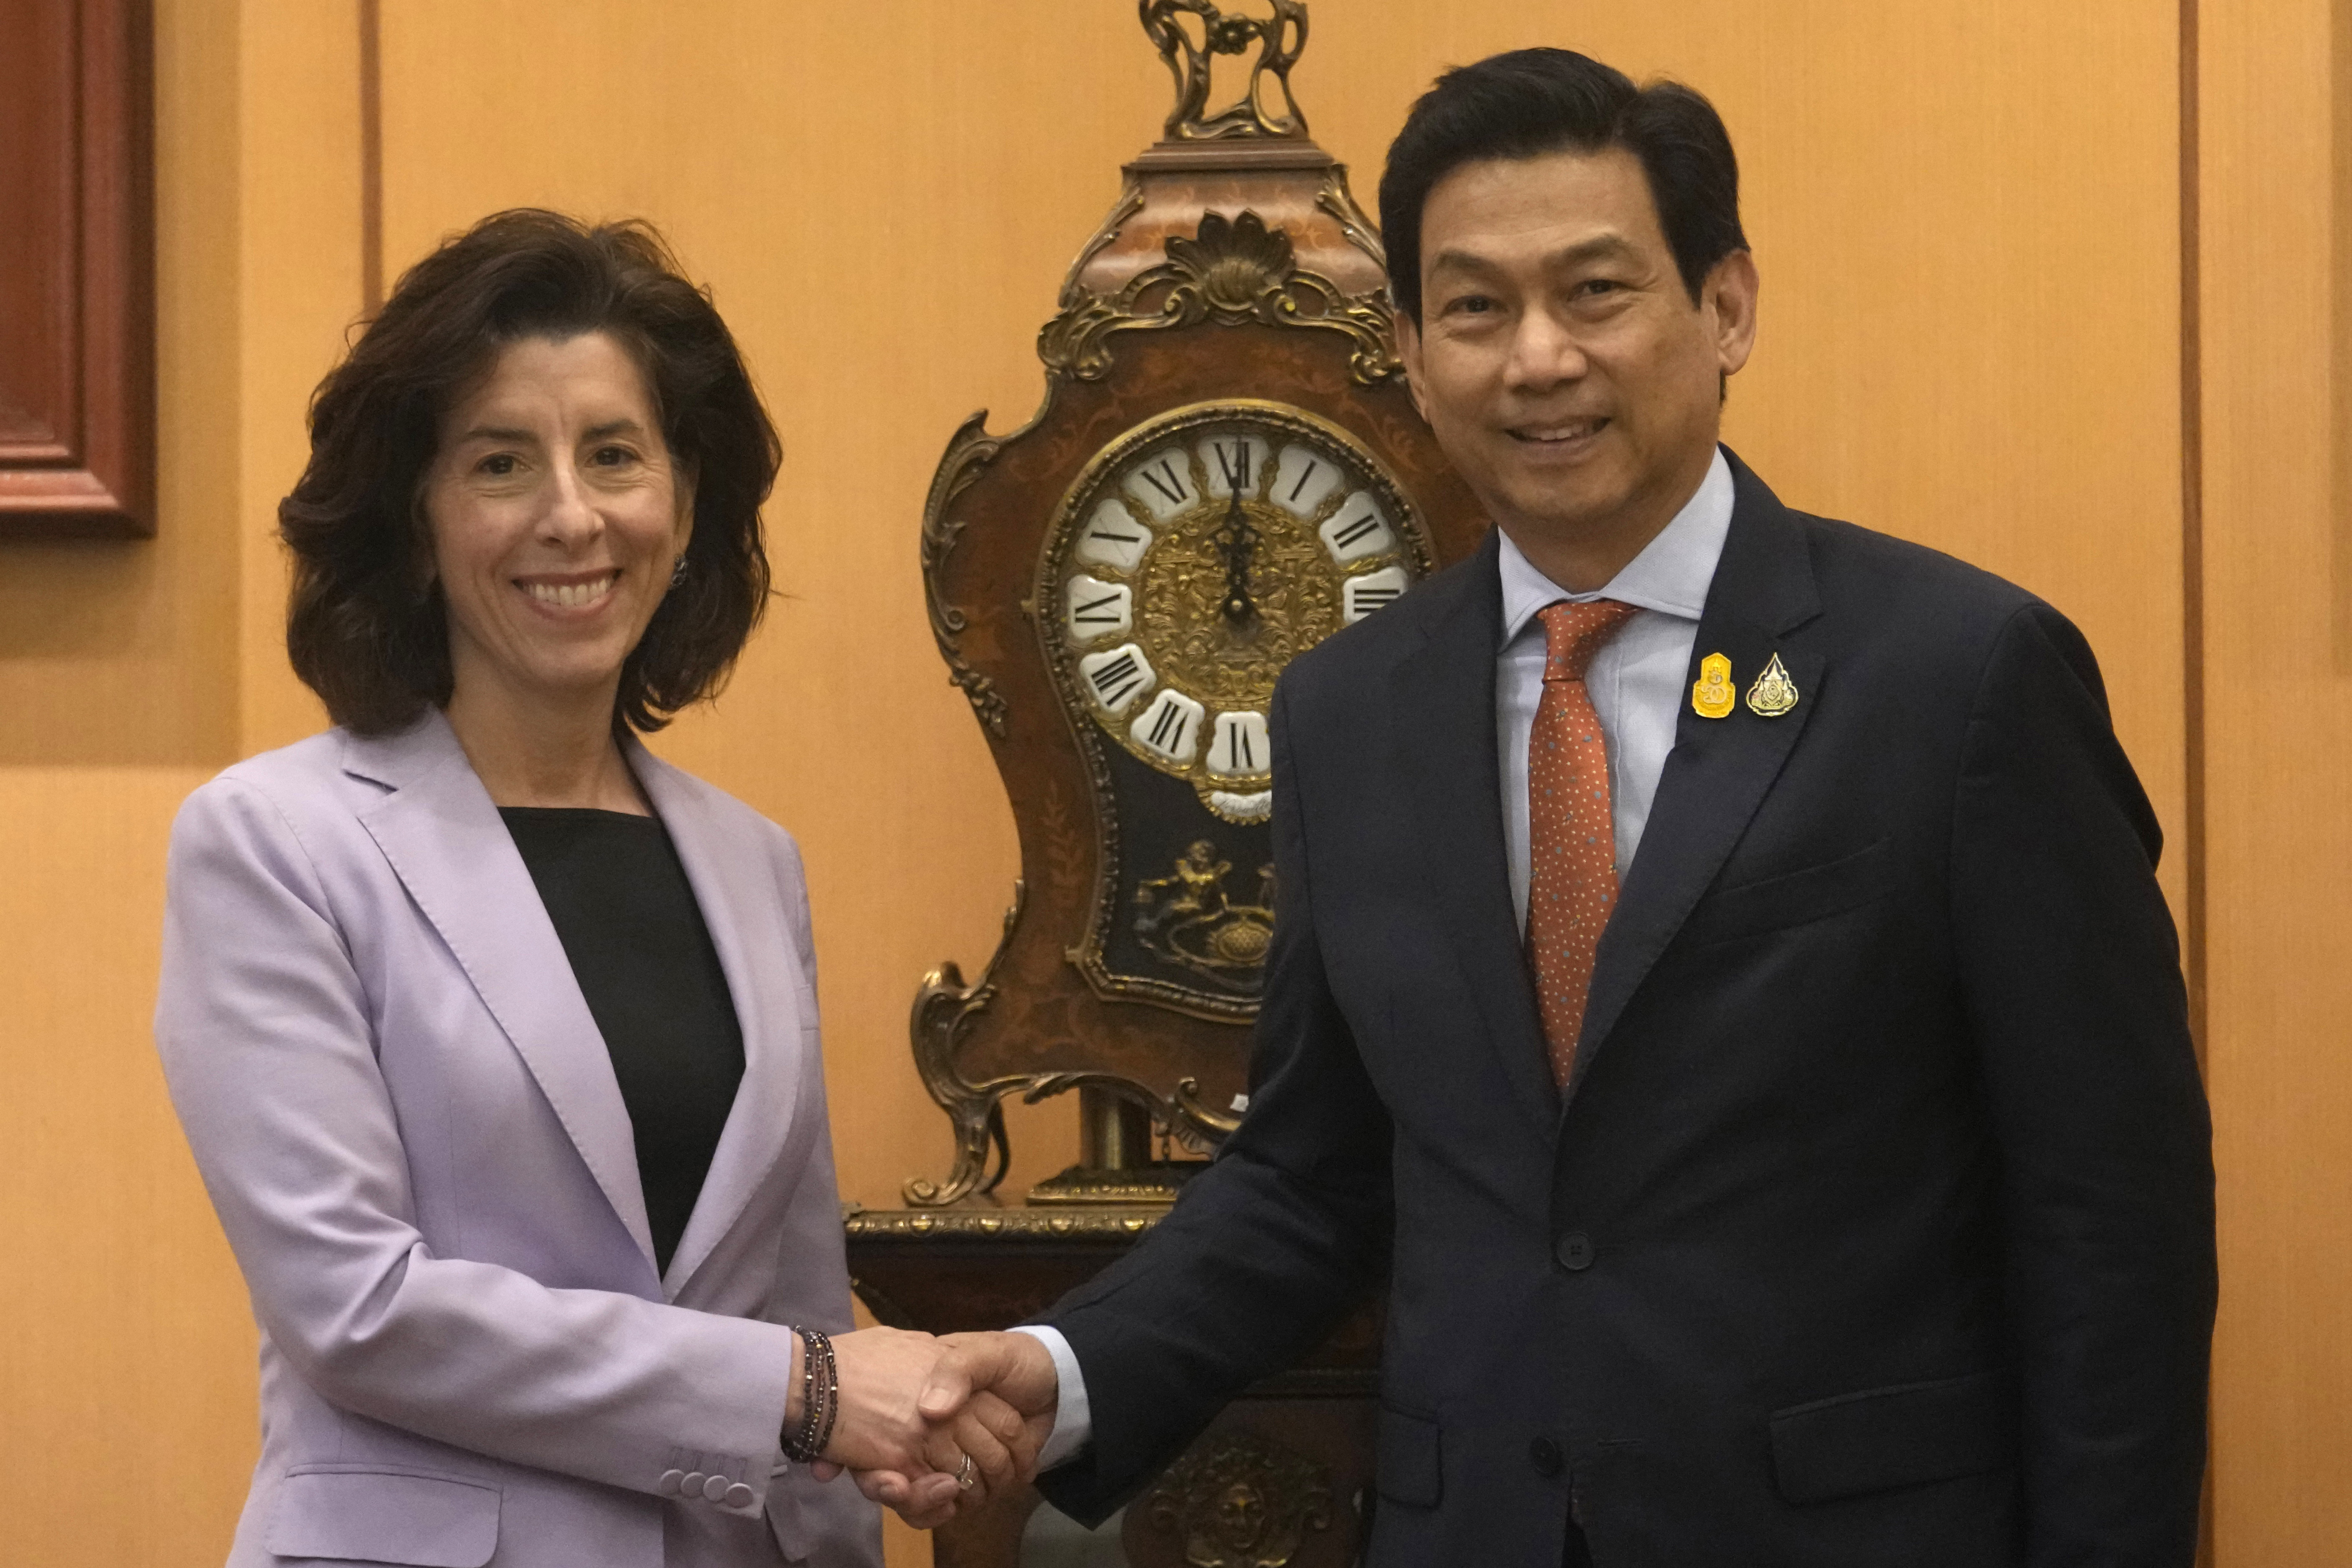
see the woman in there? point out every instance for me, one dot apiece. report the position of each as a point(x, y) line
point(494, 1035)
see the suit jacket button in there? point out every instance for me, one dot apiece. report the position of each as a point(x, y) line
point(715, 1488)
point(1575, 1251)
point(691, 1483)
point(1544, 1454)
point(670, 1482)
point(739, 1496)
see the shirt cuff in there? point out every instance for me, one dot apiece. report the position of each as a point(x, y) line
point(1074, 1426)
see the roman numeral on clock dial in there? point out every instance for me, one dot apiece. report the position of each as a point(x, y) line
point(1164, 483)
point(1171, 726)
point(1359, 597)
point(1302, 478)
point(1239, 749)
point(1098, 609)
point(1234, 463)
point(1116, 676)
point(1113, 538)
point(1358, 530)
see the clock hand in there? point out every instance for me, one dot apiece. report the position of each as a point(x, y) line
point(1237, 542)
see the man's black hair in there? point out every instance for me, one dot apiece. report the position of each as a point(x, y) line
point(1533, 101)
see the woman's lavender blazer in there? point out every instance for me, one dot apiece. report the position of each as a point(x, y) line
point(409, 1126)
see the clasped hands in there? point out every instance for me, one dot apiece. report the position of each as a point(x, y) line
point(912, 1409)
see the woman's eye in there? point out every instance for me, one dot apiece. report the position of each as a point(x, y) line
point(611, 457)
point(498, 465)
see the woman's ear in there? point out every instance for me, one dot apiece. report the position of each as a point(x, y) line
point(424, 567)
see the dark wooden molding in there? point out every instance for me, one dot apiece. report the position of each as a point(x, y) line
point(77, 267)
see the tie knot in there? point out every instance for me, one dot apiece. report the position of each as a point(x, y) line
point(1573, 633)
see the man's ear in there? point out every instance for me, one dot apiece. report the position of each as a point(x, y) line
point(1408, 335)
point(1729, 297)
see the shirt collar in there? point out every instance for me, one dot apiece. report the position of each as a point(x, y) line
point(1671, 575)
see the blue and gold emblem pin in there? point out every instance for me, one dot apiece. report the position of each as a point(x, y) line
point(1712, 694)
point(1774, 693)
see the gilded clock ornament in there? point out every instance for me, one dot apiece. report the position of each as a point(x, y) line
point(1240, 1502)
point(1278, 37)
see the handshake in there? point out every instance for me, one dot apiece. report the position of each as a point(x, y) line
point(929, 1426)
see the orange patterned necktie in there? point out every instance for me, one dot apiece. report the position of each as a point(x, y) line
point(1572, 836)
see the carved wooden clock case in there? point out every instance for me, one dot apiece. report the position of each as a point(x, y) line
point(1226, 468)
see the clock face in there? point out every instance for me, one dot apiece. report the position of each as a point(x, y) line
point(1197, 555)
point(1194, 557)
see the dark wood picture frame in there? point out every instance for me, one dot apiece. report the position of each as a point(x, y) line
point(77, 267)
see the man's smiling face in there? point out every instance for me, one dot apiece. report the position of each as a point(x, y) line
point(1560, 361)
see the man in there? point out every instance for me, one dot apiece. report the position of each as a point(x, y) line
point(1720, 979)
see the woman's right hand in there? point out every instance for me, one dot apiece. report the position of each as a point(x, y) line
point(880, 1426)
point(880, 1374)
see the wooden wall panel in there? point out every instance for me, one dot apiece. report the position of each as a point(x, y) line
point(2277, 497)
point(76, 278)
point(300, 290)
point(125, 1342)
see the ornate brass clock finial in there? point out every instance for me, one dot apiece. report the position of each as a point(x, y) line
point(1278, 37)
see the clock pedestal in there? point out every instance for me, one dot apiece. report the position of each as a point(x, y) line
point(1115, 1164)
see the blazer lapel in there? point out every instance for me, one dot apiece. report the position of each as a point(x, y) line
point(444, 840)
point(1444, 707)
point(735, 885)
point(1719, 770)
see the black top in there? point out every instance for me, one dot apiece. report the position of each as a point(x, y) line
point(618, 895)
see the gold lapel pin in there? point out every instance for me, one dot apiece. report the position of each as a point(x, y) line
point(1712, 694)
point(1774, 693)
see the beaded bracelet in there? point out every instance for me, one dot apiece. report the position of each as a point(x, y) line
point(832, 1388)
point(820, 1399)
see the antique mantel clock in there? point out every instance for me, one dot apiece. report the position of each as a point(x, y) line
point(1226, 469)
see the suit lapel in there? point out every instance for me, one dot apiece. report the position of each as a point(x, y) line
point(1719, 770)
point(1443, 702)
point(446, 841)
point(736, 888)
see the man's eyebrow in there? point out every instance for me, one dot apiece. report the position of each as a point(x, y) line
point(1599, 247)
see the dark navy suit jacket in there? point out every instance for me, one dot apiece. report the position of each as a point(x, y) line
point(1875, 1225)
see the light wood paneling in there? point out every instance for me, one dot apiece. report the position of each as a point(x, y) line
point(126, 1348)
point(2274, 199)
point(298, 294)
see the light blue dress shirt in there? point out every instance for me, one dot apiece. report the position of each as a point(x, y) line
point(1637, 681)
point(1636, 685)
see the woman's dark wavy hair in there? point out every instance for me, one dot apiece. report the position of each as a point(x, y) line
point(363, 630)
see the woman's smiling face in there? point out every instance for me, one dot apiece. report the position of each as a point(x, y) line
point(556, 517)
